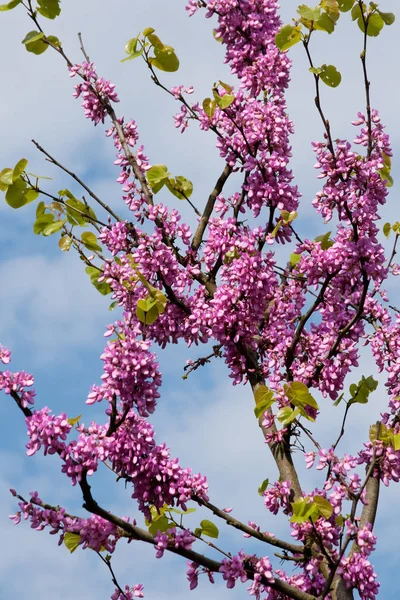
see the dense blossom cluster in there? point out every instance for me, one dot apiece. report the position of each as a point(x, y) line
point(96, 92)
point(94, 532)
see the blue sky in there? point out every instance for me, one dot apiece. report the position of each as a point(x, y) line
point(53, 320)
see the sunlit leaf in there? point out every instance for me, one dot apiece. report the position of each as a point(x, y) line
point(288, 36)
point(94, 275)
point(209, 529)
point(71, 540)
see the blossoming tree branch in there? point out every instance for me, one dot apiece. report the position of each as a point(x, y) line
point(288, 332)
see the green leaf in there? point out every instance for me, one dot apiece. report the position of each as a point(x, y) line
point(263, 486)
point(53, 227)
point(75, 420)
point(16, 194)
point(65, 243)
point(331, 8)
point(218, 39)
point(49, 8)
point(387, 229)
point(356, 12)
point(396, 227)
point(311, 14)
point(165, 59)
point(288, 36)
point(209, 529)
point(325, 23)
point(180, 187)
point(264, 398)
point(94, 275)
point(131, 48)
point(148, 31)
point(34, 42)
point(386, 176)
point(149, 308)
point(325, 508)
point(113, 305)
point(33, 36)
point(361, 391)
point(40, 209)
point(157, 176)
point(41, 222)
point(155, 40)
point(338, 401)
point(304, 510)
point(31, 195)
point(299, 395)
point(223, 101)
point(396, 441)
point(294, 259)
point(388, 18)
point(6, 178)
point(10, 5)
point(286, 415)
point(71, 540)
point(330, 75)
point(340, 521)
point(160, 524)
point(52, 39)
point(89, 240)
point(19, 169)
point(325, 241)
point(346, 5)
point(374, 26)
point(226, 86)
point(209, 107)
point(76, 210)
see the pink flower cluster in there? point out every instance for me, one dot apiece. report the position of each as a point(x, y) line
point(97, 93)
point(16, 383)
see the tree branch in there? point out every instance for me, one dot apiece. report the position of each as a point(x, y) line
point(198, 236)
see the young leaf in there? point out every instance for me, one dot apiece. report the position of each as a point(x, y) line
point(10, 5)
point(325, 508)
point(16, 194)
point(286, 415)
point(264, 398)
point(65, 243)
point(288, 36)
point(209, 529)
point(53, 227)
point(325, 23)
point(180, 187)
point(74, 420)
point(19, 169)
point(49, 8)
point(209, 107)
point(263, 486)
point(330, 75)
point(41, 222)
point(89, 240)
point(294, 259)
point(157, 176)
point(165, 59)
point(311, 14)
point(34, 42)
point(325, 241)
point(6, 179)
point(71, 540)
point(388, 18)
point(345, 5)
point(94, 275)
